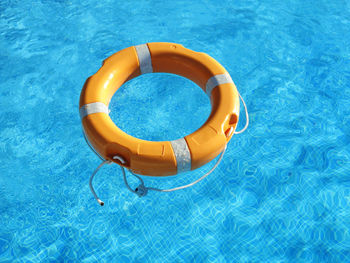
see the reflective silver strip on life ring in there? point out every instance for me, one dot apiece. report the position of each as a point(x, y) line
point(92, 108)
point(182, 155)
point(144, 58)
point(216, 81)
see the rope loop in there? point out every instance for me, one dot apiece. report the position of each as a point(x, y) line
point(142, 190)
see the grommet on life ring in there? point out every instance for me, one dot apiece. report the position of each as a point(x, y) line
point(161, 158)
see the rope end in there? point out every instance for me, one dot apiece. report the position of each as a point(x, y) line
point(100, 202)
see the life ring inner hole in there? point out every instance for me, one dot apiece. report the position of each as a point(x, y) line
point(159, 107)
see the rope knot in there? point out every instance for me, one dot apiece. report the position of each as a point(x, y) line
point(141, 190)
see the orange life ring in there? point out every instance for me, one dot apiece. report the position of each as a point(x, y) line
point(166, 157)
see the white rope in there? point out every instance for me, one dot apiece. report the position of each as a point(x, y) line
point(92, 177)
point(246, 116)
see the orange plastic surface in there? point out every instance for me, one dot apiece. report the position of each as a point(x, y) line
point(157, 158)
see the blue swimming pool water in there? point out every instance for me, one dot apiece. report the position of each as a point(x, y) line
point(282, 191)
